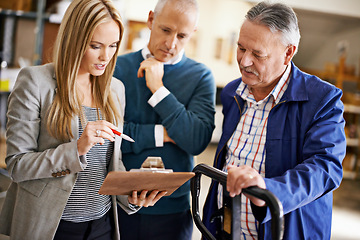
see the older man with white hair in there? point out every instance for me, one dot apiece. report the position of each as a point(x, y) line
point(283, 130)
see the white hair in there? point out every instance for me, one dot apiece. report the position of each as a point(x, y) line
point(279, 18)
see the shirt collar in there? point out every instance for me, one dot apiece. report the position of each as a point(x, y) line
point(146, 54)
point(244, 92)
point(280, 88)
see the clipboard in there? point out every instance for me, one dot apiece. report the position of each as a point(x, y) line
point(123, 182)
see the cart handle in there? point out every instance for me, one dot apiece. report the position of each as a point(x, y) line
point(276, 210)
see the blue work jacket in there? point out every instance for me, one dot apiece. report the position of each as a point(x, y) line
point(305, 146)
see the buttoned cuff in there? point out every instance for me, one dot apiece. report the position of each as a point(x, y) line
point(159, 135)
point(159, 95)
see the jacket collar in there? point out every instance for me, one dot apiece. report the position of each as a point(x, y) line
point(297, 86)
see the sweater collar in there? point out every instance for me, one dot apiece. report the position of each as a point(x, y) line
point(145, 52)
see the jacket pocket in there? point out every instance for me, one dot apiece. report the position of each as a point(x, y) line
point(34, 187)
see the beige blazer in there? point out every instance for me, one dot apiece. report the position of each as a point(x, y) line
point(36, 199)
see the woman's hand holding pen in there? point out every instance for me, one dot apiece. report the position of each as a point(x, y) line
point(95, 132)
point(144, 200)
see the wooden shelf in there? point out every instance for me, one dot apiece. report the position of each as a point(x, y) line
point(52, 18)
point(334, 76)
point(39, 16)
point(352, 111)
point(352, 142)
point(349, 108)
point(352, 158)
point(349, 174)
point(22, 14)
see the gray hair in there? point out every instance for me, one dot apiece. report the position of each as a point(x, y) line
point(181, 5)
point(277, 17)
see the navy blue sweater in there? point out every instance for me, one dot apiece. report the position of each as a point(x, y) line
point(187, 113)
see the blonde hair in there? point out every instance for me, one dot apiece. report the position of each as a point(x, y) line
point(74, 36)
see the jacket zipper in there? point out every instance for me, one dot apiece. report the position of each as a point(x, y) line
point(262, 237)
point(217, 156)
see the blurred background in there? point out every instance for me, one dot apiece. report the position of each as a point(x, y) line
point(329, 48)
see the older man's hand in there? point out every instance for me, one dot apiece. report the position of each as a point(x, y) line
point(244, 177)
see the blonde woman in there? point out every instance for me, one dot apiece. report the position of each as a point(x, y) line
point(60, 143)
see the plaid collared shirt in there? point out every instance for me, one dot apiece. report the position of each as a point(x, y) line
point(247, 144)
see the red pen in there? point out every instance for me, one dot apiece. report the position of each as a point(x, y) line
point(126, 137)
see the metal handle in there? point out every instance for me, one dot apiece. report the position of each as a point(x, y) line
point(276, 210)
